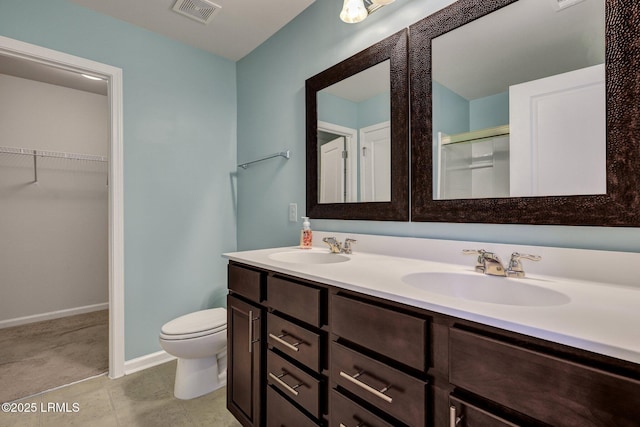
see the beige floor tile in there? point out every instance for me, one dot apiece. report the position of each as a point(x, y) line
point(138, 400)
point(139, 388)
point(25, 417)
point(161, 414)
point(211, 410)
point(80, 388)
point(167, 373)
point(84, 409)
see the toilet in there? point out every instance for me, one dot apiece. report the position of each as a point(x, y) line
point(199, 341)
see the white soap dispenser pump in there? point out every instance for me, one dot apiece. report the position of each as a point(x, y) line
point(306, 236)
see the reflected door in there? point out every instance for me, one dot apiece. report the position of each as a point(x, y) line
point(375, 163)
point(332, 171)
point(557, 133)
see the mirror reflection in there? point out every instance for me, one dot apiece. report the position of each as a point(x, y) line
point(354, 138)
point(519, 103)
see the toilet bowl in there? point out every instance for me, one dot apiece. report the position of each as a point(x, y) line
point(199, 341)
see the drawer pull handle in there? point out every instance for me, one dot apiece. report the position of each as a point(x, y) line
point(378, 393)
point(453, 419)
point(290, 388)
point(251, 340)
point(279, 339)
point(359, 425)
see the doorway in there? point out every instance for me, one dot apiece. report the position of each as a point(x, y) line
point(113, 76)
point(340, 170)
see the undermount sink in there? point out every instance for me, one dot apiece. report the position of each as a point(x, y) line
point(304, 256)
point(485, 288)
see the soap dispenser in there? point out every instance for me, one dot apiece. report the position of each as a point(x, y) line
point(306, 237)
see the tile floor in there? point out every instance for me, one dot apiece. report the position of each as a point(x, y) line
point(141, 399)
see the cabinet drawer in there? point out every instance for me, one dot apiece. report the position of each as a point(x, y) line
point(399, 336)
point(300, 343)
point(297, 300)
point(547, 388)
point(281, 413)
point(393, 391)
point(347, 413)
point(468, 415)
point(246, 282)
point(294, 383)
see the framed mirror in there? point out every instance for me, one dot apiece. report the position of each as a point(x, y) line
point(513, 120)
point(357, 141)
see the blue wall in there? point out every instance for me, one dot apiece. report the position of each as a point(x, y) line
point(489, 111)
point(179, 158)
point(338, 111)
point(374, 110)
point(271, 117)
point(451, 115)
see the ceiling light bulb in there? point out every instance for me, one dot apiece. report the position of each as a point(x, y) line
point(353, 11)
point(382, 2)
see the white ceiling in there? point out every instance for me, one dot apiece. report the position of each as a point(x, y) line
point(239, 27)
point(364, 85)
point(524, 41)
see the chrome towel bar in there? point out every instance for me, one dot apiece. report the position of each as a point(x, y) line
point(285, 154)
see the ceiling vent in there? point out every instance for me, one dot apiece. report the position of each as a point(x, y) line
point(202, 11)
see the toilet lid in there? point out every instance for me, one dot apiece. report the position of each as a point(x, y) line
point(199, 321)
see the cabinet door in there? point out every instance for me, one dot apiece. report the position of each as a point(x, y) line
point(244, 358)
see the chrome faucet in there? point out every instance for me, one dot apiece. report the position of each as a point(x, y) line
point(347, 249)
point(335, 247)
point(490, 263)
point(487, 262)
point(515, 265)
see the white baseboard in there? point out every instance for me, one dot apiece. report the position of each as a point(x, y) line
point(147, 361)
point(52, 315)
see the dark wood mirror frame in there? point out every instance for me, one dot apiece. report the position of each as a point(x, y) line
point(619, 207)
point(393, 48)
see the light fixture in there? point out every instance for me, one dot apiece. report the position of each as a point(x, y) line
point(354, 11)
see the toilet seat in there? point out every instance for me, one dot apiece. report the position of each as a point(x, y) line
point(194, 325)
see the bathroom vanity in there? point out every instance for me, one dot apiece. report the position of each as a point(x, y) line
point(348, 340)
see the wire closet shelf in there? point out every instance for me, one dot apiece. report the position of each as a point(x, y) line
point(51, 154)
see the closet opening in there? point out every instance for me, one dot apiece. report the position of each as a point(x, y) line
point(61, 275)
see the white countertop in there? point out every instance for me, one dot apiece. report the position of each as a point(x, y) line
point(601, 314)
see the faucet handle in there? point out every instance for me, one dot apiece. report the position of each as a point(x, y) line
point(515, 265)
point(479, 267)
point(334, 245)
point(347, 249)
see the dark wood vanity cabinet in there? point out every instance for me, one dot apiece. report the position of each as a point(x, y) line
point(245, 345)
point(539, 383)
point(296, 352)
point(277, 349)
point(379, 358)
point(323, 356)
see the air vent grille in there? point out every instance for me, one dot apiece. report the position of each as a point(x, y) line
point(199, 10)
